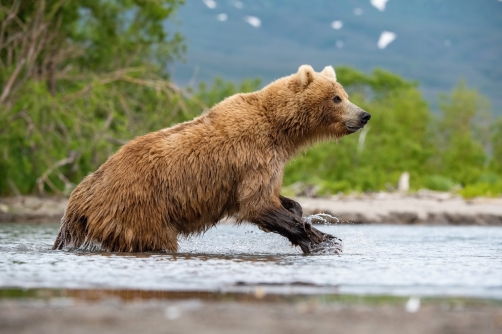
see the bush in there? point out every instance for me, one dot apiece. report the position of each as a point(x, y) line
point(439, 183)
point(482, 189)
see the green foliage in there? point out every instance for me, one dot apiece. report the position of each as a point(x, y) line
point(56, 40)
point(123, 33)
point(439, 182)
point(496, 140)
point(70, 94)
point(482, 189)
point(461, 134)
point(488, 184)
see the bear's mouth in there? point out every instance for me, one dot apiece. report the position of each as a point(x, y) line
point(353, 128)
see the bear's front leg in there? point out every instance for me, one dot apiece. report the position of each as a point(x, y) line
point(316, 237)
point(261, 204)
point(292, 206)
point(299, 232)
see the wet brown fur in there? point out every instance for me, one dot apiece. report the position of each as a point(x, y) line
point(184, 179)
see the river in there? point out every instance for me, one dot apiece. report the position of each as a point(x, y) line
point(461, 261)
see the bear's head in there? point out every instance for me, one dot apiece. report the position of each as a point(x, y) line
point(314, 106)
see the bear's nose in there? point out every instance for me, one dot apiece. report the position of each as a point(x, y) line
point(365, 117)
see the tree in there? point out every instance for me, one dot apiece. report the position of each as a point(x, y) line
point(78, 79)
point(496, 136)
point(462, 135)
point(45, 40)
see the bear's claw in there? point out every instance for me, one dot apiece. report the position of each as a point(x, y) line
point(319, 242)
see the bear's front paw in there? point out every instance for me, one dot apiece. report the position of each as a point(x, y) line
point(319, 242)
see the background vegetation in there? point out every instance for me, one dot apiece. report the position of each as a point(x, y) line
point(79, 79)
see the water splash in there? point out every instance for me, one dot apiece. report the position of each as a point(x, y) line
point(328, 246)
point(323, 218)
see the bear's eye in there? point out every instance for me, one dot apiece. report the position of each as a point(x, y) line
point(337, 99)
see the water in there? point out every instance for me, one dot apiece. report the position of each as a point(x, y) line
point(395, 260)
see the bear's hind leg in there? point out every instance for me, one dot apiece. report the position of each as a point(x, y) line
point(72, 233)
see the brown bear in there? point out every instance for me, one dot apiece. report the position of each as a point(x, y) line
point(228, 162)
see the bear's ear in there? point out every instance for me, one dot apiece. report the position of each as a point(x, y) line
point(305, 75)
point(329, 72)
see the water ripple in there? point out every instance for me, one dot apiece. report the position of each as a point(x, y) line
point(398, 260)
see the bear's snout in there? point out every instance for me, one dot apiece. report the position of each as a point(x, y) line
point(355, 118)
point(365, 117)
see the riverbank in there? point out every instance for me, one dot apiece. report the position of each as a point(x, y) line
point(421, 208)
point(32, 209)
point(254, 314)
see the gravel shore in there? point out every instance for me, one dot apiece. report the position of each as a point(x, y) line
point(198, 316)
point(423, 207)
